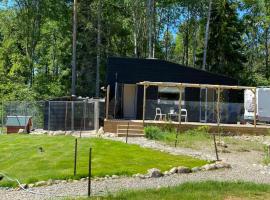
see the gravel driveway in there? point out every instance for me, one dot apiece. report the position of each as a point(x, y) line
point(245, 167)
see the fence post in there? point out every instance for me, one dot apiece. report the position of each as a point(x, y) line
point(84, 113)
point(49, 117)
point(107, 102)
point(75, 156)
point(89, 172)
point(96, 114)
point(72, 115)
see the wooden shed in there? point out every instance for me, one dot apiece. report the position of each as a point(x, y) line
point(15, 123)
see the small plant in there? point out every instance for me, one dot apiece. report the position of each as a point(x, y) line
point(266, 159)
point(153, 133)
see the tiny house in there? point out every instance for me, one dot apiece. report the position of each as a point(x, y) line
point(126, 95)
point(15, 123)
point(262, 102)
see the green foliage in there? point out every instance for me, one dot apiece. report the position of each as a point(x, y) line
point(20, 158)
point(198, 190)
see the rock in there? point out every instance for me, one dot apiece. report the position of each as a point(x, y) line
point(173, 170)
point(115, 176)
point(166, 173)
point(58, 133)
point(222, 144)
point(154, 173)
point(50, 182)
point(31, 185)
point(221, 164)
point(40, 183)
point(21, 131)
point(83, 179)
point(24, 186)
point(209, 167)
point(195, 169)
point(57, 181)
point(183, 170)
point(100, 132)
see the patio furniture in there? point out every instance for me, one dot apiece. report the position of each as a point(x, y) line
point(159, 114)
point(175, 114)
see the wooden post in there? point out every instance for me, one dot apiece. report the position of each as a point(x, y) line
point(255, 108)
point(180, 105)
point(144, 101)
point(107, 102)
point(218, 113)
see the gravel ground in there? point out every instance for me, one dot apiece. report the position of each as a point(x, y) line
point(245, 167)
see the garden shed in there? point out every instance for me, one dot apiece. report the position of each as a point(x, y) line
point(15, 123)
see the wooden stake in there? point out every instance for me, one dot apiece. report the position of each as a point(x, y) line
point(107, 102)
point(218, 113)
point(144, 102)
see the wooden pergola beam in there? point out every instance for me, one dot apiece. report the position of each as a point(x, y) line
point(107, 102)
point(144, 100)
point(192, 85)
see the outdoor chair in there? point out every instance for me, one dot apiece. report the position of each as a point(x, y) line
point(184, 114)
point(159, 114)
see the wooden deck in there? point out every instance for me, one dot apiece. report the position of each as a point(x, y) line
point(230, 129)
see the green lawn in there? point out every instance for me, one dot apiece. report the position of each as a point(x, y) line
point(20, 158)
point(199, 191)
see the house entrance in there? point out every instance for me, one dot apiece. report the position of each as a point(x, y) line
point(130, 101)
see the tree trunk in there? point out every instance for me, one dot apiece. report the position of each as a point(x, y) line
point(150, 28)
point(74, 45)
point(267, 53)
point(206, 35)
point(98, 48)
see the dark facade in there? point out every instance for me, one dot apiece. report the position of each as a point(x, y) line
point(132, 71)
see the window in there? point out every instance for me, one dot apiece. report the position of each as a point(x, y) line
point(169, 94)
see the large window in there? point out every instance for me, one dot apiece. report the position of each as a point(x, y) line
point(170, 94)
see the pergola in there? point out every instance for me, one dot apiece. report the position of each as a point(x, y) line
point(182, 86)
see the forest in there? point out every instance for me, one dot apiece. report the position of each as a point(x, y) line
point(229, 37)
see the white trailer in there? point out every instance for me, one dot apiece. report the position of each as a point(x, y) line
point(263, 104)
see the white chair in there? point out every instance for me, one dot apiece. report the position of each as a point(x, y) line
point(184, 114)
point(159, 114)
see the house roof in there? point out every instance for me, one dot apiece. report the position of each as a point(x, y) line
point(17, 120)
point(134, 70)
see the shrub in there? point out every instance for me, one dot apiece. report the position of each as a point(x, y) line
point(153, 132)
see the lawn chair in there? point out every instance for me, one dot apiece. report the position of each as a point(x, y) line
point(159, 114)
point(184, 114)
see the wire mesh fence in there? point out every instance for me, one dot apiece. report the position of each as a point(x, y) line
point(53, 115)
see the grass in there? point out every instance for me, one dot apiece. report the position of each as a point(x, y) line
point(199, 191)
point(195, 139)
point(20, 158)
point(199, 139)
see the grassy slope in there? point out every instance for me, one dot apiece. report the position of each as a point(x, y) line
point(20, 158)
point(200, 191)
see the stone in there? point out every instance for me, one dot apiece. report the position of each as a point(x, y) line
point(50, 182)
point(173, 170)
point(221, 164)
point(40, 183)
point(31, 185)
point(100, 132)
point(24, 186)
point(209, 167)
point(195, 169)
point(154, 173)
point(115, 176)
point(222, 144)
point(21, 131)
point(83, 179)
point(183, 170)
point(58, 133)
point(166, 173)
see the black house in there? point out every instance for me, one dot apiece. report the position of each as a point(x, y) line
point(126, 97)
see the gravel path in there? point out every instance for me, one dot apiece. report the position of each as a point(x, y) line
point(245, 167)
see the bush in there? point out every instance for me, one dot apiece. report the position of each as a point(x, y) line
point(153, 132)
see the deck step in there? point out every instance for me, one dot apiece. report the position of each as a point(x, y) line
point(130, 135)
